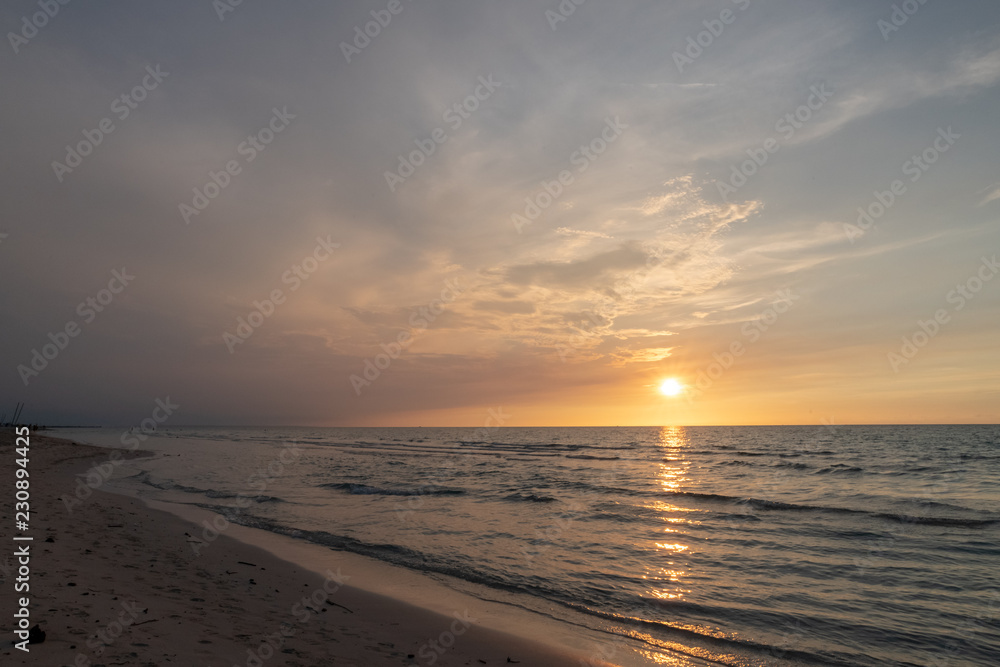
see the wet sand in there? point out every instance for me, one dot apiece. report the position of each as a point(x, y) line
point(115, 582)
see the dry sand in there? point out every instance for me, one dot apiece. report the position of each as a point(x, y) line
point(119, 584)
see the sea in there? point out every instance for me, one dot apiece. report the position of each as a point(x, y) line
point(749, 545)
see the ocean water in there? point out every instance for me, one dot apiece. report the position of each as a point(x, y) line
point(840, 545)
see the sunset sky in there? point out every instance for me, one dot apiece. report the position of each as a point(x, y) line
point(578, 199)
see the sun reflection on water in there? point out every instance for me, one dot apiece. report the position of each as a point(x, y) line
point(673, 466)
point(669, 574)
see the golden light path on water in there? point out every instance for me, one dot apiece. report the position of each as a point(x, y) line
point(673, 473)
point(668, 573)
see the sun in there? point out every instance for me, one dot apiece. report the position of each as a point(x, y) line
point(671, 387)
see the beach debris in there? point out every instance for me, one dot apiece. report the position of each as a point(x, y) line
point(334, 604)
point(516, 662)
point(49, 539)
point(36, 635)
point(243, 562)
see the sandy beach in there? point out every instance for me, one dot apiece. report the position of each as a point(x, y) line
point(114, 582)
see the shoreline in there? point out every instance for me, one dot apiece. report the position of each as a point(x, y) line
point(120, 584)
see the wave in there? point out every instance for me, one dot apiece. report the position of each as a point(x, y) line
point(365, 490)
point(839, 469)
point(706, 638)
point(533, 586)
point(775, 505)
point(144, 478)
point(835, 469)
point(592, 458)
point(529, 498)
point(736, 517)
point(935, 503)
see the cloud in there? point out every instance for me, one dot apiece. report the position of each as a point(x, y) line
point(590, 273)
point(566, 231)
point(890, 88)
point(623, 356)
point(509, 307)
point(636, 261)
point(992, 195)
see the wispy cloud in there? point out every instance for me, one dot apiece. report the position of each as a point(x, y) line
point(992, 194)
point(637, 263)
point(566, 231)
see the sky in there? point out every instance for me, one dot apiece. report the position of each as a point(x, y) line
point(499, 214)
